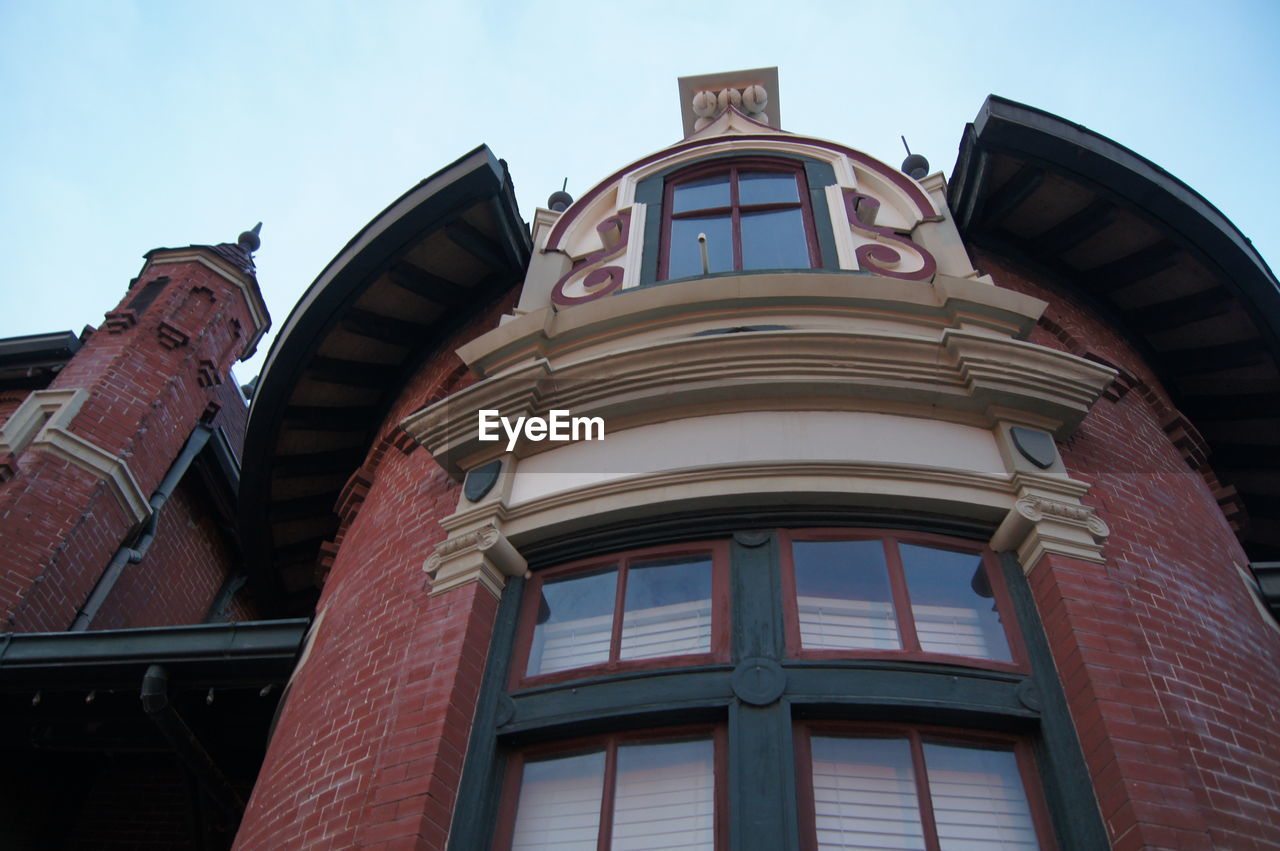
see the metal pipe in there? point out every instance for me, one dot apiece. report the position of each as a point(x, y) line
point(702, 247)
point(134, 553)
point(155, 702)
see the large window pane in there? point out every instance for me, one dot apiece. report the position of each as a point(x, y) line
point(665, 797)
point(684, 253)
point(707, 193)
point(559, 808)
point(774, 240)
point(952, 603)
point(668, 608)
point(767, 188)
point(575, 623)
point(979, 803)
point(864, 794)
point(843, 596)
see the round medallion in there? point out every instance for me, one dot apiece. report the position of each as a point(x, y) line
point(759, 681)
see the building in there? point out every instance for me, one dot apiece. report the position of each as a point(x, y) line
point(928, 513)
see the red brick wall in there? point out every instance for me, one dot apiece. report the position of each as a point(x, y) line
point(369, 746)
point(1172, 674)
point(147, 389)
point(9, 402)
point(182, 572)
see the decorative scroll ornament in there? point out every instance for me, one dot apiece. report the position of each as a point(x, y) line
point(1036, 508)
point(597, 280)
point(878, 256)
point(481, 555)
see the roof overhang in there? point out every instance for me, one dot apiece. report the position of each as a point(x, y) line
point(33, 361)
point(1157, 260)
point(418, 271)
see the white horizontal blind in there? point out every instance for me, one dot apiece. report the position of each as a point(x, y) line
point(559, 807)
point(572, 644)
point(667, 630)
point(864, 794)
point(575, 622)
point(828, 623)
point(951, 629)
point(953, 604)
point(979, 803)
point(665, 797)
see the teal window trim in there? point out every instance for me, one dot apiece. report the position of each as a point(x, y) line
point(763, 810)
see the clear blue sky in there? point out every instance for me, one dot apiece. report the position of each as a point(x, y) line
point(130, 125)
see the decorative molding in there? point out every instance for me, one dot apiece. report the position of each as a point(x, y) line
point(247, 286)
point(1038, 525)
point(39, 410)
point(480, 554)
point(594, 279)
point(41, 423)
point(961, 376)
point(119, 321)
point(884, 253)
point(78, 452)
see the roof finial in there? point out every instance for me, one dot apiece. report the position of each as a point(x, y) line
point(250, 240)
point(914, 165)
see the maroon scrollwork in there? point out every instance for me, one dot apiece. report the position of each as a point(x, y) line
point(877, 256)
point(602, 280)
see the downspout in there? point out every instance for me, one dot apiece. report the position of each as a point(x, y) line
point(132, 554)
point(155, 702)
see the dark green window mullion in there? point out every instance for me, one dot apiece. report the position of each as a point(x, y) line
point(480, 789)
point(1064, 775)
point(762, 801)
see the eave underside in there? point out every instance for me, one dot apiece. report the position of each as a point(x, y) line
point(1157, 261)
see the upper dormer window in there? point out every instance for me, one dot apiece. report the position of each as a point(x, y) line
point(754, 212)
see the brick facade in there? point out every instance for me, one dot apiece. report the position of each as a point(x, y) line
point(1171, 671)
point(369, 747)
point(149, 379)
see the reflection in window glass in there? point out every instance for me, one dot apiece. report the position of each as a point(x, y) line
point(665, 796)
point(559, 806)
point(864, 794)
point(774, 240)
point(843, 596)
point(668, 608)
point(707, 193)
point(575, 623)
point(978, 799)
point(952, 603)
point(767, 188)
point(686, 256)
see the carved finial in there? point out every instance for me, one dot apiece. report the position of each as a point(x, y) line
point(250, 240)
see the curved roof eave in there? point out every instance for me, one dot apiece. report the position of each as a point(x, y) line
point(1163, 264)
point(386, 300)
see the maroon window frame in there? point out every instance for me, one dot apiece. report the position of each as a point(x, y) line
point(911, 649)
point(732, 168)
point(917, 736)
point(609, 743)
point(718, 551)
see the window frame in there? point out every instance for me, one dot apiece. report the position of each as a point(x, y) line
point(511, 782)
point(732, 167)
point(720, 614)
point(917, 735)
point(905, 620)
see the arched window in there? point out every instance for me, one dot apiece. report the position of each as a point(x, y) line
point(754, 212)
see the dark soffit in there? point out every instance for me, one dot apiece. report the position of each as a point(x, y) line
point(1159, 262)
point(421, 268)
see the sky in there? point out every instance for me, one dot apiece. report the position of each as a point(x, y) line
point(126, 126)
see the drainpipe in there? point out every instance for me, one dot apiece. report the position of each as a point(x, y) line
point(133, 554)
point(155, 702)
